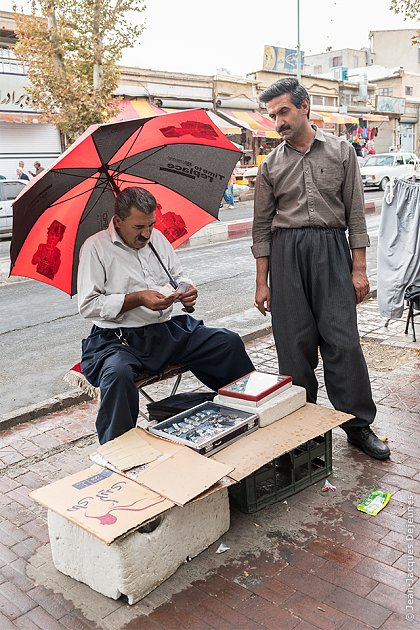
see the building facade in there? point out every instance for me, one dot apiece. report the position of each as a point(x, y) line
point(22, 134)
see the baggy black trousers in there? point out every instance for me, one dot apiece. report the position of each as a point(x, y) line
point(313, 306)
point(216, 356)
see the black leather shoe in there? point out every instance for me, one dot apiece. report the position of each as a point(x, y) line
point(368, 442)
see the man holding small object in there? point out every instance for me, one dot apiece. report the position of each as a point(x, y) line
point(123, 288)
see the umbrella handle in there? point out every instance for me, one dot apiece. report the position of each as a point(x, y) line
point(172, 281)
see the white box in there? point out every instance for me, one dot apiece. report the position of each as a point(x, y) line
point(287, 401)
point(135, 564)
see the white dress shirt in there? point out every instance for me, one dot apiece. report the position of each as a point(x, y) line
point(109, 269)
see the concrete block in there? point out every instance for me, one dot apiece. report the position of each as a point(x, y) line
point(276, 408)
point(137, 563)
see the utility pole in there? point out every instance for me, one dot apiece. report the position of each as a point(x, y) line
point(299, 58)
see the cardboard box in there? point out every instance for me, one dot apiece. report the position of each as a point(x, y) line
point(110, 503)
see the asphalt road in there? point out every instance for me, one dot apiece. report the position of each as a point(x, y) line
point(242, 210)
point(40, 329)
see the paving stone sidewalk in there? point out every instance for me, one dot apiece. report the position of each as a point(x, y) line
point(311, 562)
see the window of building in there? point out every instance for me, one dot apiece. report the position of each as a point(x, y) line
point(385, 91)
point(336, 62)
point(409, 91)
point(318, 69)
point(331, 101)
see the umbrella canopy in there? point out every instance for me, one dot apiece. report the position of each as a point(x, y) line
point(183, 159)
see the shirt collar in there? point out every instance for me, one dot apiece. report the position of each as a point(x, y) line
point(319, 134)
point(115, 237)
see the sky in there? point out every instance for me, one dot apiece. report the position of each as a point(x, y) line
point(200, 38)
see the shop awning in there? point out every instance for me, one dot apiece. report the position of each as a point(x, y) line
point(338, 119)
point(260, 126)
point(225, 127)
point(314, 116)
point(136, 108)
point(19, 117)
point(374, 117)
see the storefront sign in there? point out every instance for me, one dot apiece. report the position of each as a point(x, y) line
point(390, 104)
point(13, 95)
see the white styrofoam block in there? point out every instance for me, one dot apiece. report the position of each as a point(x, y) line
point(276, 408)
point(137, 563)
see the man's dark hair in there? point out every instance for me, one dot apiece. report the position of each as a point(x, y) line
point(139, 198)
point(297, 92)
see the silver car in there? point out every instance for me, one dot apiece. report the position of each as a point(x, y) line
point(9, 190)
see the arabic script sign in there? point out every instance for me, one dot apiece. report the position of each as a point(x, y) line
point(13, 95)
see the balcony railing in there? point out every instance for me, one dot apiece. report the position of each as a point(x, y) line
point(9, 63)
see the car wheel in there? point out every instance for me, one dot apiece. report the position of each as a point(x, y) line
point(383, 183)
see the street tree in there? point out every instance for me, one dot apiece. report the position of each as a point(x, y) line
point(410, 9)
point(71, 49)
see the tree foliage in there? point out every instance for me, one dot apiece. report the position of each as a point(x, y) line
point(410, 9)
point(71, 49)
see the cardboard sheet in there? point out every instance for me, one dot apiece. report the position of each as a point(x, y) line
point(177, 473)
point(256, 449)
point(183, 476)
point(129, 450)
point(103, 502)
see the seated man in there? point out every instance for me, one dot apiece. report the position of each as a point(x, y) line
point(118, 288)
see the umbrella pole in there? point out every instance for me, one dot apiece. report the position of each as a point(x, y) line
point(172, 281)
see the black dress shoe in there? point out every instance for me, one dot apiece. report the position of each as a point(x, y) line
point(368, 442)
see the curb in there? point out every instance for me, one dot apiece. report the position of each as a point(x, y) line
point(220, 232)
point(373, 207)
point(74, 397)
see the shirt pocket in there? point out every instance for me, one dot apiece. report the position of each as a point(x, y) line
point(328, 178)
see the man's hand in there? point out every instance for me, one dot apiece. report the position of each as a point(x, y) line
point(361, 285)
point(154, 300)
point(262, 298)
point(188, 297)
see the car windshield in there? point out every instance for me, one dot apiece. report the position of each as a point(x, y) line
point(10, 190)
point(380, 160)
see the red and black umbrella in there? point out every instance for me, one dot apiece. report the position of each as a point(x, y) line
point(182, 158)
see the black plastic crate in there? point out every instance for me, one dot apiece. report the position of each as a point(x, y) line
point(285, 475)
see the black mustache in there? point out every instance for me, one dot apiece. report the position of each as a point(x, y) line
point(142, 239)
point(283, 128)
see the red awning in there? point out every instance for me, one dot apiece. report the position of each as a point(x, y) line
point(136, 108)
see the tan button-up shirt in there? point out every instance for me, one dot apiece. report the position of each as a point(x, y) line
point(321, 188)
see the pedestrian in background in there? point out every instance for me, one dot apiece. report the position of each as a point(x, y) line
point(308, 192)
point(21, 174)
point(228, 194)
point(22, 168)
point(38, 169)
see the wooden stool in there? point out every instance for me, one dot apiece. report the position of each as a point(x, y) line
point(75, 377)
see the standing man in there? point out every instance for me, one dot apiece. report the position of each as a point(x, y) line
point(307, 194)
point(121, 288)
point(38, 169)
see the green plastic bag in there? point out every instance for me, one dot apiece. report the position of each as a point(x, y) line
point(375, 502)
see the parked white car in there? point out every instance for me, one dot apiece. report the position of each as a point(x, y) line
point(378, 169)
point(9, 190)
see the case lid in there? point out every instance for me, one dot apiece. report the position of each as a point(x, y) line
point(255, 385)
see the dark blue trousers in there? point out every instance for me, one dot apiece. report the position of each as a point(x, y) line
point(216, 356)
